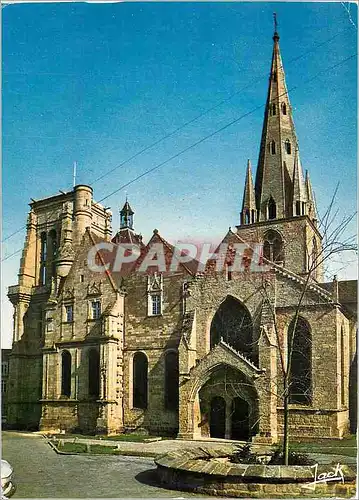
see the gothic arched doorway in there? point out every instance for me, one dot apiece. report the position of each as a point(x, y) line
point(240, 419)
point(217, 422)
point(233, 323)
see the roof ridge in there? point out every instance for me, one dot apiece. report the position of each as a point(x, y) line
point(295, 277)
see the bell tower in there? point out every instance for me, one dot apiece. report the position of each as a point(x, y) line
point(279, 209)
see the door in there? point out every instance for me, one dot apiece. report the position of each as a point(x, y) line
point(240, 419)
point(218, 417)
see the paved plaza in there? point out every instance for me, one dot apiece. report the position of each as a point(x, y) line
point(41, 473)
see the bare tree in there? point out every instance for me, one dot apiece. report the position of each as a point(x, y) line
point(294, 352)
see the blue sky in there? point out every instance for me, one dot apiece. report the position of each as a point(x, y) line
point(97, 83)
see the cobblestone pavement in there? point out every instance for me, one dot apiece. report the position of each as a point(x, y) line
point(41, 473)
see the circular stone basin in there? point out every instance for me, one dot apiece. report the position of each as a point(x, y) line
point(208, 470)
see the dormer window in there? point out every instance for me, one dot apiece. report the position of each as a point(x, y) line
point(272, 147)
point(69, 309)
point(274, 76)
point(154, 295)
point(156, 304)
point(273, 109)
point(96, 309)
point(284, 108)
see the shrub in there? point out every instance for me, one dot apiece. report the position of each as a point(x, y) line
point(245, 456)
point(294, 458)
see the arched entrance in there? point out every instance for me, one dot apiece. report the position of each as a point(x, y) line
point(217, 419)
point(240, 420)
point(228, 405)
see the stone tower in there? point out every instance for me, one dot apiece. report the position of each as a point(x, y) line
point(278, 209)
point(55, 229)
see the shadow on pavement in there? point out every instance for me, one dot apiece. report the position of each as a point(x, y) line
point(149, 477)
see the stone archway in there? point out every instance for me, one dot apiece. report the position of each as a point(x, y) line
point(228, 405)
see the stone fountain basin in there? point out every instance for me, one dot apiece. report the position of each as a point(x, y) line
point(207, 470)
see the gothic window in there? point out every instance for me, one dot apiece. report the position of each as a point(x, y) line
point(66, 374)
point(284, 108)
point(272, 147)
point(43, 258)
point(155, 295)
point(171, 381)
point(228, 272)
point(253, 216)
point(94, 373)
point(43, 274)
point(288, 147)
point(96, 309)
point(233, 323)
point(266, 250)
point(247, 217)
point(4, 368)
point(342, 367)
point(43, 247)
point(273, 247)
point(273, 109)
point(53, 250)
point(300, 358)
point(297, 208)
point(272, 209)
point(69, 310)
point(140, 380)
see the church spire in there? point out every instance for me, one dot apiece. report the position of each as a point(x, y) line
point(274, 177)
point(248, 214)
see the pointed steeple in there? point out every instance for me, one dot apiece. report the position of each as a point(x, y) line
point(249, 212)
point(299, 201)
point(311, 209)
point(274, 175)
point(126, 216)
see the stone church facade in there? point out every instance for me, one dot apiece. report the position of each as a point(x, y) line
point(184, 352)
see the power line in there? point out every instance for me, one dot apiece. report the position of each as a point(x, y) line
point(212, 108)
point(236, 120)
point(13, 234)
point(203, 139)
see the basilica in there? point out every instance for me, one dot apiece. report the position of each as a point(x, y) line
point(183, 352)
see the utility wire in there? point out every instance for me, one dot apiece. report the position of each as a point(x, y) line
point(236, 120)
point(203, 139)
point(212, 108)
